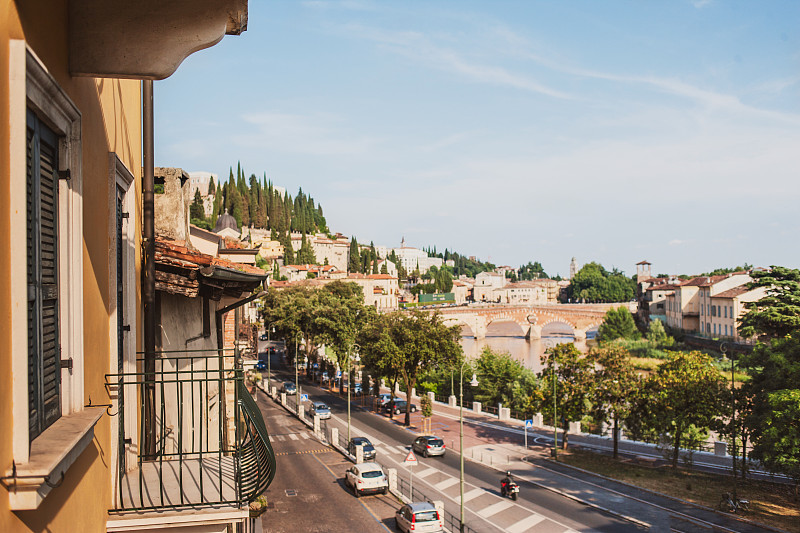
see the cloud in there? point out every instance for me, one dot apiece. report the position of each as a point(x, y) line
point(676, 242)
point(307, 134)
point(700, 4)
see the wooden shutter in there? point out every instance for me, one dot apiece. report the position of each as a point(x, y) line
point(44, 368)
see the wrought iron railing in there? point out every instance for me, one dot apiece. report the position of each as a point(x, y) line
point(205, 443)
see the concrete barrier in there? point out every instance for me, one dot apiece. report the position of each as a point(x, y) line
point(503, 413)
point(451, 401)
point(476, 407)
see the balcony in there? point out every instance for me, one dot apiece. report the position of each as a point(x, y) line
point(200, 442)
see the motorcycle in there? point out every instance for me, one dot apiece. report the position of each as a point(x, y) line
point(509, 489)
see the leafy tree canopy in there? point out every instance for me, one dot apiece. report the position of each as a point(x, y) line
point(618, 323)
point(778, 313)
point(593, 283)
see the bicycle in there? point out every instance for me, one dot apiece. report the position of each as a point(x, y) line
point(733, 505)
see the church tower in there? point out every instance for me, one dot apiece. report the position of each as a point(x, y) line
point(573, 268)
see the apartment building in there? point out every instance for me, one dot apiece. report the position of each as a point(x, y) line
point(73, 145)
point(688, 306)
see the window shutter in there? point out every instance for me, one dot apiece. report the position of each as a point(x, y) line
point(43, 335)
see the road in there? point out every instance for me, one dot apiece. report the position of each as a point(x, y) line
point(308, 492)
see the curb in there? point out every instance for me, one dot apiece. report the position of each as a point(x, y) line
point(660, 494)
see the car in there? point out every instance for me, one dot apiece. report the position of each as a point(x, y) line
point(261, 365)
point(428, 445)
point(366, 478)
point(385, 398)
point(320, 409)
point(367, 447)
point(263, 337)
point(358, 389)
point(419, 517)
point(398, 406)
point(289, 388)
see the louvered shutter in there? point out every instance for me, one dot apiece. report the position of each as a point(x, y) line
point(42, 235)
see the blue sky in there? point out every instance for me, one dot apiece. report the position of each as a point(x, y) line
point(515, 131)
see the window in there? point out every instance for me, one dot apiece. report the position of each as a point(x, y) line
point(713, 310)
point(44, 362)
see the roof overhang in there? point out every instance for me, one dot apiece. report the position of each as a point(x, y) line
point(146, 39)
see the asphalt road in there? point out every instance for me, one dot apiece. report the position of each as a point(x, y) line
point(308, 493)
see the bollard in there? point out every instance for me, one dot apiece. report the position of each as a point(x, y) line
point(451, 401)
point(431, 397)
point(392, 475)
point(538, 420)
point(360, 453)
point(301, 409)
point(720, 449)
point(283, 399)
point(414, 392)
point(316, 425)
point(335, 437)
point(476, 407)
point(575, 427)
point(503, 413)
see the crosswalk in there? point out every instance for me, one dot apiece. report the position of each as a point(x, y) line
point(500, 512)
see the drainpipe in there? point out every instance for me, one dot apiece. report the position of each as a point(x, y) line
point(149, 272)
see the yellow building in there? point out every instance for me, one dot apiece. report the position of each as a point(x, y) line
point(71, 222)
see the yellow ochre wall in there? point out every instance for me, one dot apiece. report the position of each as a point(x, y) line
point(111, 122)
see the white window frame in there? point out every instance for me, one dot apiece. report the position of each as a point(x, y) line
point(31, 86)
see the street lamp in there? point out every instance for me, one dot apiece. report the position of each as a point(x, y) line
point(296, 381)
point(356, 348)
point(270, 326)
point(548, 344)
point(473, 383)
point(723, 348)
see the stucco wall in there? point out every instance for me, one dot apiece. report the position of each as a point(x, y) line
point(110, 122)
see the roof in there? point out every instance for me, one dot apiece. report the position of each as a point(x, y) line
point(707, 281)
point(645, 262)
point(381, 276)
point(226, 221)
point(734, 292)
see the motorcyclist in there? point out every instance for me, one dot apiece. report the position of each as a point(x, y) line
point(505, 482)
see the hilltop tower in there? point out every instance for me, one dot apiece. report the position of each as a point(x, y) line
point(643, 271)
point(573, 268)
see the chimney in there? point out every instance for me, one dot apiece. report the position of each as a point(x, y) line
point(172, 200)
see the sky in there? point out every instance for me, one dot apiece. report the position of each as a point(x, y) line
point(514, 131)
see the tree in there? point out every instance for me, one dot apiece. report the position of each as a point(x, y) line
point(656, 333)
point(354, 263)
point(778, 313)
point(411, 343)
point(196, 209)
point(685, 392)
point(614, 380)
point(617, 323)
point(212, 190)
point(778, 446)
point(573, 388)
point(505, 380)
point(593, 283)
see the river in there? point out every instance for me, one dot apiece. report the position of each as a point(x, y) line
point(507, 337)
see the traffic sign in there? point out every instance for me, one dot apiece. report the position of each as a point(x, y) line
point(411, 459)
point(338, 373)
point(304, 397)
point(529, 423)
point(315, 365)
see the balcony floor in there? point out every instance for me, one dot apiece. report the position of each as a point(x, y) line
point(173, 483)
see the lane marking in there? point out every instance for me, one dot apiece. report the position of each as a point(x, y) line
point(525, 523)
point(493, 509)
point(427, 472)
point(472, 494)
point(446, 483)
point(294, 436)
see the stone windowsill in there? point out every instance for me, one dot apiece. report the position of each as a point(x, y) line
point(51, 455)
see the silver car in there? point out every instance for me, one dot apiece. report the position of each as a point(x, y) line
point(320, 409)
point(428, 445)
point(419, 517)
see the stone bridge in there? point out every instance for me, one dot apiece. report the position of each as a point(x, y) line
point(531, 318)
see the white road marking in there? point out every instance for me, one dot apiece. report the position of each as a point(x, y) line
point(525, 524)
point(428, 471)
point(446, 483)
point(294, 436)
point(471, 495)
point(495, 508)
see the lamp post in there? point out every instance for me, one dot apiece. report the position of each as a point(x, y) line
point(548, 344)
point(269, 357)
point(473, 383)
point(723, 348)
point(296, 380)
point(356, 348)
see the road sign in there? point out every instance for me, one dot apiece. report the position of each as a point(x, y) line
point(529, 423)
point(338, 373)
point(315, 365)
point(304, 397)
point(411, 459)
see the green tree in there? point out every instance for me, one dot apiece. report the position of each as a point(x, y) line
point(354, 262)
point(778, 445)
point(617, 323)
point(684, 393)
point(212, 189)
point(411, 343)
point(614, 381)
point(574, 385)
point(503, 379)
point(778, 313)
point(593, 283)
point(656, 333)
point(196, 210)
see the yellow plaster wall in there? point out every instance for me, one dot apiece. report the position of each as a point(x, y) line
point(111, 121)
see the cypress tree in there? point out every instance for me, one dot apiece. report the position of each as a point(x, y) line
point(211, 187)
point(354, 263)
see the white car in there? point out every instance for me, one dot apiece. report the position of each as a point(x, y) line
point(366, 478)
point(419, 517)
point(321, 409)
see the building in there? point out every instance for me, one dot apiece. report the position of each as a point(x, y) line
point(413, 258)
point(381, 291)
point(727, 307)
point(77, 294)
point(573, 268)
point(485, 285)
point(689, 305)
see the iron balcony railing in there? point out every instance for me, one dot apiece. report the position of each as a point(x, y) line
point(206, 445)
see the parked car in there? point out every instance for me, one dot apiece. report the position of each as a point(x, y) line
point(263, 337)
point(398, 406)
point(289, 388)
point(428, 445)
point(261, 365)
point(419, 517)
point(321, 409)
point(368, 448)
point(358, 389)
point(385, 398)
point(366, 478)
